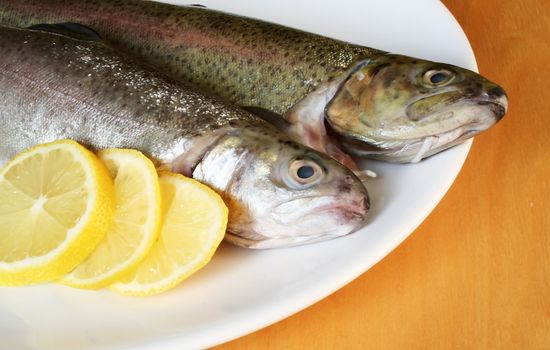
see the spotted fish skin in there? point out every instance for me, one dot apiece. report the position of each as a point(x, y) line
point(330, 93)
point(246, 61)
point(88, 78)
point(57, 87)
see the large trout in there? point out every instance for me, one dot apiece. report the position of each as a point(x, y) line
point(332, 94)
point(279, 193)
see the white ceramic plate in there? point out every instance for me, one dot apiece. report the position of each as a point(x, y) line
point(242, 291)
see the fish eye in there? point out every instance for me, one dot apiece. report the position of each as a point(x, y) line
point(304, 173)
point(438, 77)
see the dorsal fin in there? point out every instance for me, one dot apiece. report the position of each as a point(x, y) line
point(73, 30)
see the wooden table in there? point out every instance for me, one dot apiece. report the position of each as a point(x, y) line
point(476, 273)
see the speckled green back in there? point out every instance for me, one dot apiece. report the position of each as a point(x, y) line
point(248, 62)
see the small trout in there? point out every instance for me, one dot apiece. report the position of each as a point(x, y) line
point(333, 95)
point(279, 193)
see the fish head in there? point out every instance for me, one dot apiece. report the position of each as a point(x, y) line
point(403, 109)
point(281, 193)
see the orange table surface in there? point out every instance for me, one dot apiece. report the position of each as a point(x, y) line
point(476, 273)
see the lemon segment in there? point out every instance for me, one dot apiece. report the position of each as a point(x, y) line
point(56, 204)
point(194, 223)
point(136, 221)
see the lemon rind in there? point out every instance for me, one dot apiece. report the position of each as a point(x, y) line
point(82, 238)
point(153, 226)
point(202, 258)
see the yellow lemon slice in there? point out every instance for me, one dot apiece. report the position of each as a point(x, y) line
point(194, 223)
point(136, 221)
point(56, 204)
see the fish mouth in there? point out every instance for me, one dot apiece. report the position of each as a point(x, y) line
point(494, 103)
point(414, 150)
point(474, 115)
point(353, 211)
point(430, 145)
point(340, 210)
point(499, 107)
point(434, 107)
point(325, 203)
point(330, 217)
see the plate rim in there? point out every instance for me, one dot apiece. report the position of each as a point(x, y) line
point(296, 306)
point(219, 334)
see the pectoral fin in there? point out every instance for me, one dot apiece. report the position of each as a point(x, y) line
point(73, 30)
point(269, 116)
